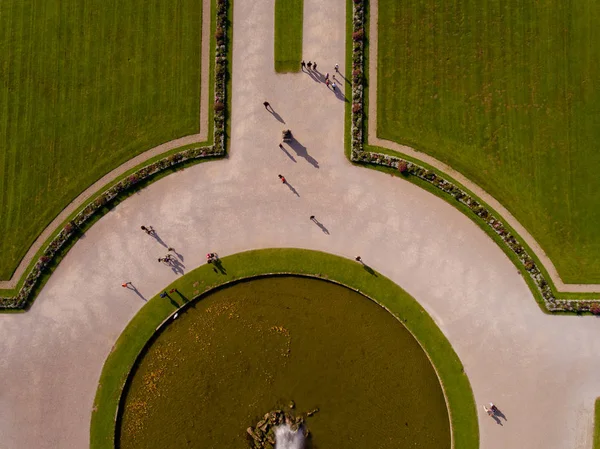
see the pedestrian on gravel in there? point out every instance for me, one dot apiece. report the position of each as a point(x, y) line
point(303, 64)
point(337, 68)
point(358, 259)
point(282, 178)
point(312, 217)
point(333, 86)
point(314, 66)
point(266, 105)
point(327, 76)
point(126, 284)
point(327, 83)
point(309, 65)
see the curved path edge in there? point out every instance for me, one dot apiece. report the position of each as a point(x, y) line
point(509, 218)
point(273, 262)
point(97, 186)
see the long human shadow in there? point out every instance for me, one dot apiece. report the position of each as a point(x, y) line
point(499, 413)
point(319, 76)
point(320, 225)
point(282, 148)
point(179, 255)
point(340, 95)
point(177, 266)
point(158, 239)
point(343, 77)
point(291, 187)
point(316, 76)
point(369, 270)
point(495, 418)
point(136, 291)
point(301, 151)
point(218, 265)
point(182, 296)
point(276, 115)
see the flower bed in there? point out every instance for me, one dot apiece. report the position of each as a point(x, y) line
point(24, 295)
point(510, 241)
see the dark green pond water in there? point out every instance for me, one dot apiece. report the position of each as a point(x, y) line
point(254, 347)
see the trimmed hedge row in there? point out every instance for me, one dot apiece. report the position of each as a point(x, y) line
point(70, 229)
point(511, 241)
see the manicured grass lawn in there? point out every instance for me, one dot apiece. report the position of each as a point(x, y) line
point(85, 87)
point(288, 35)
point(505, 93)
point(597, 425)
point(455, 383)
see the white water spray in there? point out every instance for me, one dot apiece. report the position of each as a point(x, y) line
point(286, 438)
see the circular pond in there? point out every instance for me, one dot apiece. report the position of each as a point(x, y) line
point(248, 349)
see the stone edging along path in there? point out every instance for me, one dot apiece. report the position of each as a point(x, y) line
point(512, 237)
point(75, 216)
point(159, 312)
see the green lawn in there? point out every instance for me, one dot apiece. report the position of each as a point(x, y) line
point(288, 35)
point(85, 87)
point(505, 92)
point(455, 383)
point(596, 444)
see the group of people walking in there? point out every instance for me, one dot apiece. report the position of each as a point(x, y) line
point(309, 65)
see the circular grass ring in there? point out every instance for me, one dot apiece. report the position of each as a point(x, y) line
point(455, 384)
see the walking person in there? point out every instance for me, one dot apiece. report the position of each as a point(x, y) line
point(327, 83)
point(358, 259)
point(337, 68)
point(312, 217)
point(327, 76)
point(282, 179)
point(126, 284)
point(303, 64)
point(267, 105)
point(333, 86)
point(314, 66)
point(148, 230)
point(309, 65)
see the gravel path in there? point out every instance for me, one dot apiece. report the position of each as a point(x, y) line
point(540, 370)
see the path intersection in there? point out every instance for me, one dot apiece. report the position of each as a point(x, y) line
point(541, 370)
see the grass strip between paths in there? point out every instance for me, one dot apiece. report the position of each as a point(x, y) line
point(288, 35)
point(596, 444)
point(456, 386)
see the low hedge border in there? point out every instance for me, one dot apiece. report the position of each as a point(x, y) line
point(274, 262)
point(509, 240)
point(26, 294)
